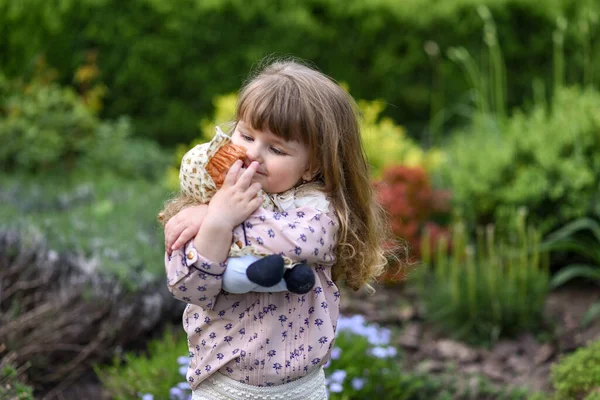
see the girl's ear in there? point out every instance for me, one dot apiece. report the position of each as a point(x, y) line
point(310, 174)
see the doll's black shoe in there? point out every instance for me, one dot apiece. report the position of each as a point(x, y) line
point(300, 279)
point(267, 271)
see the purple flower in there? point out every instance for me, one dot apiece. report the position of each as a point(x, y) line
point(383, 352)
point(336, 352)
point(183, 360)
point(358, 383)
point(335, 387)
point(337, 376)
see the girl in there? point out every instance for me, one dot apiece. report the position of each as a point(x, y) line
point(298, 126)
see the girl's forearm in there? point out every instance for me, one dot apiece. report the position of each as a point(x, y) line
point(214, 240)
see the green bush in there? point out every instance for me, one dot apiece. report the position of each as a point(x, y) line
point(155, 372)
point(495, 287)
point(46, 128)
point(577, 376)
point(164, 62)
point(547, 160)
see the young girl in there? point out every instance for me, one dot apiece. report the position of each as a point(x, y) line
point(298, 126)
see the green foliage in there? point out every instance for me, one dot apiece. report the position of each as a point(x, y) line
point(106, 218)
point(386, 143)
point(494, 288)
point(153, 372)
point(577, 376)
point(46, 128)
point(581, 238)
point(547, 161)
point(10, 386)
point(164, 62)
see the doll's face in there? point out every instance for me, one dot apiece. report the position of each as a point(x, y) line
point(282, 164)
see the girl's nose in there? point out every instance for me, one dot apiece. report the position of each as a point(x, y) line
point(253, 154)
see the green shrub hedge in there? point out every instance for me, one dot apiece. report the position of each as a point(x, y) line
point(164, 61)
point(46, 128)
point(547, 160)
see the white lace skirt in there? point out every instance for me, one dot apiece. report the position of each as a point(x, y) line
point(221, 387)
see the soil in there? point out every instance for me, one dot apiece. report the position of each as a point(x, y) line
point(523, 362)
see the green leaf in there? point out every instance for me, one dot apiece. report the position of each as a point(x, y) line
point(575, 271)
point(592, 313)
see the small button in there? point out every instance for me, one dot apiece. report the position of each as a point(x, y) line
point(190, 255)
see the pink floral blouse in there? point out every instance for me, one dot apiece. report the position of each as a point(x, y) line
point(261, 339)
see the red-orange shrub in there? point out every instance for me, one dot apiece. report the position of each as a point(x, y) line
point(414, 206)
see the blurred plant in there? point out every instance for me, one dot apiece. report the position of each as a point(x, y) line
point(581, 238)
point(413, 206)
point(495, 288)
point(547, 162)
point(489, 87)
point(46, 128)
point(577, 376)
point(90, 88)
point(151, 374)
point(11, 385)
point(386, 143)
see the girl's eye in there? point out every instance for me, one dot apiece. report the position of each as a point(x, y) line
point(277, 151)
point(247, 138)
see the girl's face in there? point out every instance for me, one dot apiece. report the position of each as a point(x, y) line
point(282, 164)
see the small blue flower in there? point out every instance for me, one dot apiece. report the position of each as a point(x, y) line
point(335, 387)
point(336, 352)
point(147, 396)
point(358, 383)
point(183, 370)
point(380, 352)
point(338, 376)
point(176, 394)
point(183, 360)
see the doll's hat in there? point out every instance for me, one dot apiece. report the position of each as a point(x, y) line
point(194, 180)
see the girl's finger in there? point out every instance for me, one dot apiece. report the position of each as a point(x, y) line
point(253, 190)
point(172, 229)
point(232, 174)
point(246, 177)
point(183, 238)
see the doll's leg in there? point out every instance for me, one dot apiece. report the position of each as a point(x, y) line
point(235, 277)
point(300, 279)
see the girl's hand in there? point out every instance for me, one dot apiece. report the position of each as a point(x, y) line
point(229, 207)
point(237, 198)
point(184, 226)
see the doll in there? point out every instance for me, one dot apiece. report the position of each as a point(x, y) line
point(202, 173)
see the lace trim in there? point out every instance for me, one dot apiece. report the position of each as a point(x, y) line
point(221, 387)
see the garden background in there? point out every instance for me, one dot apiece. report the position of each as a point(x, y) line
point(480, 118)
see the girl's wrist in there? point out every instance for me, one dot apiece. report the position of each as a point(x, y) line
point(216, 224)
point(213, 240)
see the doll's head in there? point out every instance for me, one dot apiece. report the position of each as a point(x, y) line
point(223, 159)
